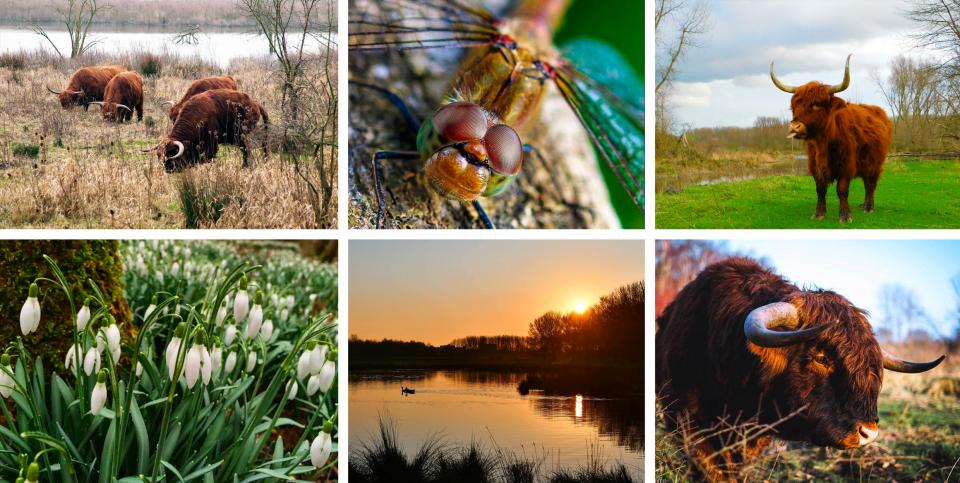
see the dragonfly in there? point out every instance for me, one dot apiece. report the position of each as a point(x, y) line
point(471, 145)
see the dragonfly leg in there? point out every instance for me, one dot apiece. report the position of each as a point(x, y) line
point(394, 99)
point(377, 176)
point(483, 215)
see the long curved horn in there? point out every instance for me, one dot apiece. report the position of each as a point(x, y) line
point(896, 364)
point(53, 91)
point(179, 152)
point(780, 85)
point(154, 148)
point(846, 79)
point(125, 107)
point(96, 103)
point(757, 330)
point(167, 102)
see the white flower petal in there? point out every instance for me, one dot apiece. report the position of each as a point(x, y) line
point(231, 362)
point(327, 374)
point(91, 362)
point(98, 398)
point(320, 449)
point(191, 367)
point(313, 385)
point(206, 366)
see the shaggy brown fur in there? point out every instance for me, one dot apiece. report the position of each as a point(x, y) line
point(843, 141)
point(87, 84)
point(203, 85)
point(708, 374)
point(207, 119)
point(125, 89)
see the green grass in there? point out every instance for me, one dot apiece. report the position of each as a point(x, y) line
point(911, 194)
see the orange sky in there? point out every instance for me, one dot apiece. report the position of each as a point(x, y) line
point(436, 291)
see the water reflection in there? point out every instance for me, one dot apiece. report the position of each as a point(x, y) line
point(487, 406)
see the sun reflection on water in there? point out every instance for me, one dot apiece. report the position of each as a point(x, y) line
point(578, 409)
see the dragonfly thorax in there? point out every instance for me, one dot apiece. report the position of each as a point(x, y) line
point(469, 153)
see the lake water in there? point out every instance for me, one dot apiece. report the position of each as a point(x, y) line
point(219, 46)
point(486, 407)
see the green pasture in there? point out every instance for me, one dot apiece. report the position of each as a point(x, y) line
point(911, 194)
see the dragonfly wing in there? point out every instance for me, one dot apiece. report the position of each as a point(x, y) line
point(606, 96)
point(423, 24)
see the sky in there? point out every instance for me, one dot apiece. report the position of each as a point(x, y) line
point(857, 269)
point(726, 81)
point(436, 291)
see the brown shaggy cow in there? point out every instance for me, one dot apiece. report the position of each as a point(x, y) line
point(740, 345)
point(843, 140)
point(123, 95)
point(198, 86)
point(205, 120)
point(86, 85)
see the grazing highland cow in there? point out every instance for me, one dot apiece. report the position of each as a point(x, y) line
point(739, 344)
point(206, 120)
point(198, 86)
point(843, 140)
point(123, 95)
point(86, 85)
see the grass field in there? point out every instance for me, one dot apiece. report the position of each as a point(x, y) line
point(70, 169)
point(919, 441)
point(911, 194)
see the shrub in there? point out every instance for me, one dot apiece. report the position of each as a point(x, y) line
point(13, 60)
point(150, 65)
point(203, 203)
point(26, 150)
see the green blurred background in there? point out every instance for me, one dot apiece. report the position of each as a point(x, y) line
point(618, 23)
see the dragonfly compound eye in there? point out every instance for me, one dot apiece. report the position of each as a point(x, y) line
point(504, 149)
point(460, 121)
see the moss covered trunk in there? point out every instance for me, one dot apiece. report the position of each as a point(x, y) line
point(21, 262)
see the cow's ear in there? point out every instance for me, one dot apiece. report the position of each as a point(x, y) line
point(773, 360)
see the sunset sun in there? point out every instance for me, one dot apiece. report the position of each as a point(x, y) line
point(580, 307)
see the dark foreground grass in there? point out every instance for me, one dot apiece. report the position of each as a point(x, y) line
point(919, 441)
point(911, 194)
point(381, 460)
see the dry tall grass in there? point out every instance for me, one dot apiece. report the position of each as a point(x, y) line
point(90, 174)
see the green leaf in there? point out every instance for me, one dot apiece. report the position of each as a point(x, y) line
point(109, 452)
point(143, 440)
point(206, 470)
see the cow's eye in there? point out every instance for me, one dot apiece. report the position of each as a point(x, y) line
point(821, 359)
point(817, 108)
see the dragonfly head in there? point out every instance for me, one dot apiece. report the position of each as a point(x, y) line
point(469, 152)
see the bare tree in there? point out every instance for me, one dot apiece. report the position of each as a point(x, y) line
point(77, 17)
point(679, 26)
point(913, 92)
point(940, 23)
point(287, 25)
point(901, 310)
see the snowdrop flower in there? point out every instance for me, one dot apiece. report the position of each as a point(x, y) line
point(113, 337)
point(241, 303)
point(290, 301)
point(173, 348)
point(313, 385)
point(175, 269)
point(303, 364)
point(221, 314)
point(318, 355)
point(83, 316)
point(30, 312)
point(151, 308)
point(70, 362)
point(6, 380)
point(327, 374)
point(266, 331)
point(99, 396)
point(322, 446)
point(91, 362)
point(230, 334)
point(216, 356)
point(255, 318)
point(274, 300)
point(139, 365)
point(291, 391)
point(198, 363)
point(284, 315)
point(251, 362)
point(231, 362)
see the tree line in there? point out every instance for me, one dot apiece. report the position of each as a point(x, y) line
point(609, 331)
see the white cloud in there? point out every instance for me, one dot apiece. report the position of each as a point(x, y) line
point(690, 94)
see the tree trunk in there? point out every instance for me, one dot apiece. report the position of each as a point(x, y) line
point(22, 261)
point(565, 190)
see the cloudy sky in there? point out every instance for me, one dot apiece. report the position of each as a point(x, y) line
point(726, 82)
